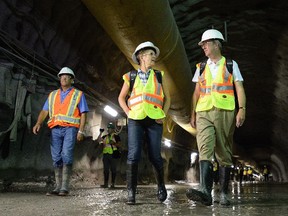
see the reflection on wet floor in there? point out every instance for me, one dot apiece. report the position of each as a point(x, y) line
point(248, 199)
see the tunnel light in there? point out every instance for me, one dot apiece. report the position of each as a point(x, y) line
point(167, 143)
point(110, 111)
point(193, 157)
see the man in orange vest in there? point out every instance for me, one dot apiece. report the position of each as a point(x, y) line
point(214, 116)
point(147, 108)
point(67, 108)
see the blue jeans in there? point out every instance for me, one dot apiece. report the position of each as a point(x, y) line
point(153, 131)
point(63, 140)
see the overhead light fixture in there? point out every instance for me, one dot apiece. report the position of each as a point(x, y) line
point(110, 111)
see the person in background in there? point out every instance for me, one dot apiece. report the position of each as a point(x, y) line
point(265, 173)
point(250, 174)
point(147, 108)
point(67, 108)
point(109, 142)
point(214, 115)
point(240, 173)
point(245, 176)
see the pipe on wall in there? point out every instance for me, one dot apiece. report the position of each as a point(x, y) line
point(129, 23)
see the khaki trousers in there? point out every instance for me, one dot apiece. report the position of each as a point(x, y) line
point(215, 129)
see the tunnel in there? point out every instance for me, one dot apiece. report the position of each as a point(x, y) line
point(97, 39)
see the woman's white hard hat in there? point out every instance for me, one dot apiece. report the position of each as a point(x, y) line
point(211, 34)
point(66, 70)
point(144, 45)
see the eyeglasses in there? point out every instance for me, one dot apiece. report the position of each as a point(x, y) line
point(205, 43)
point(149, 53)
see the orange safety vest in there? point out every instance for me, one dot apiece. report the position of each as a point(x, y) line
point(146, 100)
point(217, 92)
point(65, 113)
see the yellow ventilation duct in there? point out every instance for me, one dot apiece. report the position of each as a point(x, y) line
point(129, 23)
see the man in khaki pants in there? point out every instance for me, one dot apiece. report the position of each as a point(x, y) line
point(213, 115)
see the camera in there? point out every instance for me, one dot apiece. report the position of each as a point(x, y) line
point(101, 129)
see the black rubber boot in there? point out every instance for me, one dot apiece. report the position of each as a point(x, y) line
point(113, 180)
point(203, 195)
point(106, 179)
point(58, 181)
point(161, 192)
point(224, 173)
point(66, 174)
point(132, 172)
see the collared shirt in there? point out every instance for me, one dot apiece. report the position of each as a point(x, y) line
point(214, 68)
point(143, 76)
point(82, 106)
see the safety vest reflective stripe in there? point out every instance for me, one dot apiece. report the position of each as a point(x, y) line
point(135, 100)
point(223, 88)
point(153, 99)
point(227, 77)
point(158, 88)
point(149, 98)
point(73, 102)
point(205, 89)
point(67, 119)
point(52, 102)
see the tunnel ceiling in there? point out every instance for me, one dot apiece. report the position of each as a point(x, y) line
point(64, 32)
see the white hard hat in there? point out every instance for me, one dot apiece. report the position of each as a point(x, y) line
point(143, 45)
point(211, 34)
point(66, 70)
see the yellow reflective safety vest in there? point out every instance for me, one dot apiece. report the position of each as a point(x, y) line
point(217, 92)
point(146, 100)
point(107, 148)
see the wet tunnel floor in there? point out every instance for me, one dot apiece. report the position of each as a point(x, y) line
point(249, 199)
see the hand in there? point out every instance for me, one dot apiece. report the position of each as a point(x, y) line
point(36, 128)
point(160, 121)
point(80, 136)
point(240, 118)
point(127, 112)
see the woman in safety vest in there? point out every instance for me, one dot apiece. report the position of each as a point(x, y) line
point(213, 115)
point(147, 107)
